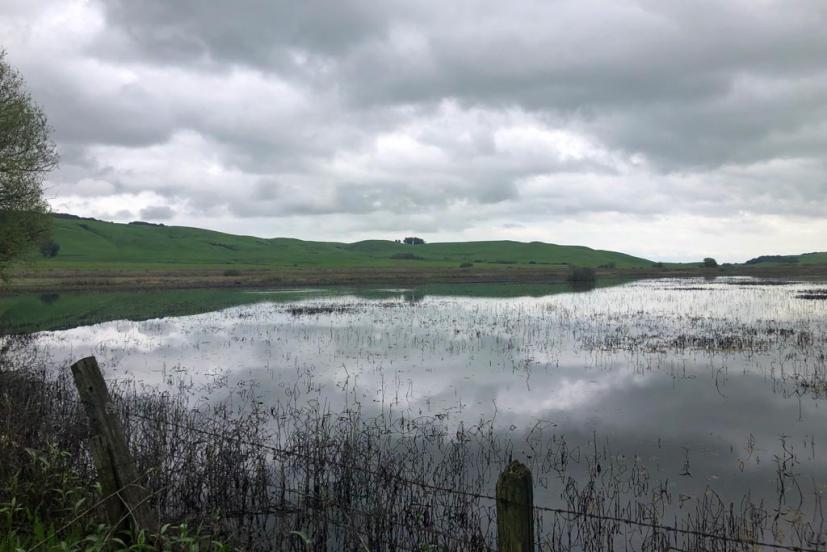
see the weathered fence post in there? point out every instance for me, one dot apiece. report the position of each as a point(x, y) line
point(116, 471)
point(515, 509)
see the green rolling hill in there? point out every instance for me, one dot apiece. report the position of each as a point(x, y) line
point(813, 258)
point(89, 243)
point(818, 258)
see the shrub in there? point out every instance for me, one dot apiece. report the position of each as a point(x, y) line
point(582, 274)
point(407, 257)
point(232, 272)
point(227, 246)
point(466, 265)
point(49, 298)
point(709, 262)
point(49, 249)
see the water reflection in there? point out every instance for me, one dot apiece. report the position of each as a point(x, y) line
point(697, 380)
point(57, 311)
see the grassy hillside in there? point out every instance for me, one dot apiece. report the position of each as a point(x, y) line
point(813, 258)
point(804, 259)
point(86, 243)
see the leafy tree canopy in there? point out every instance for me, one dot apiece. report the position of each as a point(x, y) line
point(27, 154)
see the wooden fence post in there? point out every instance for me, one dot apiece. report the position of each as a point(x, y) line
point(128, 505)
point(515, 509)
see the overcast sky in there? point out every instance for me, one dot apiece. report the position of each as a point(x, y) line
point(668, 129)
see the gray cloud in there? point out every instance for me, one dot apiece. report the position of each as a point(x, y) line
point(157, 212)
point(686, 86)
point(252, 32)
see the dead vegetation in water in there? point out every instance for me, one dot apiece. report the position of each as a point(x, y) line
point(340, 308)
point(815, 386)
point(731, 339)
point(759, 282)
point(694, 288)
point(311, 310)
point(813, 294)
point(302, 477)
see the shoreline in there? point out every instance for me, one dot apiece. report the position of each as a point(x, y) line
point(229, 277)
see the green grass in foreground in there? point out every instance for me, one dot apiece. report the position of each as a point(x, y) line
point(46, 506)
point(91, 243)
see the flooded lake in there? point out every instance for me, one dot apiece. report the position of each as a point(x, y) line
point(700, 385)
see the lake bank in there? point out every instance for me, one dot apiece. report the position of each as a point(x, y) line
point(228, 276)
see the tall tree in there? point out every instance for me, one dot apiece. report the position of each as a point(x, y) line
point(27, 154)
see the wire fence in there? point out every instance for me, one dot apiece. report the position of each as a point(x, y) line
point(310, 486)
point(653, 526)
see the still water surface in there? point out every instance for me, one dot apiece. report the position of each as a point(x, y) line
point(705, 383)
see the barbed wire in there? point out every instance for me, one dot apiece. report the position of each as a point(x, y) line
point(469, 494)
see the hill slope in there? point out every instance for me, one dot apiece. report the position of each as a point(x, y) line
point(818, 258)
point(88, 243)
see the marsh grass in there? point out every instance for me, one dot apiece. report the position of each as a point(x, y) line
point(302, 477)
point(49, 498)
point(582, 274)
